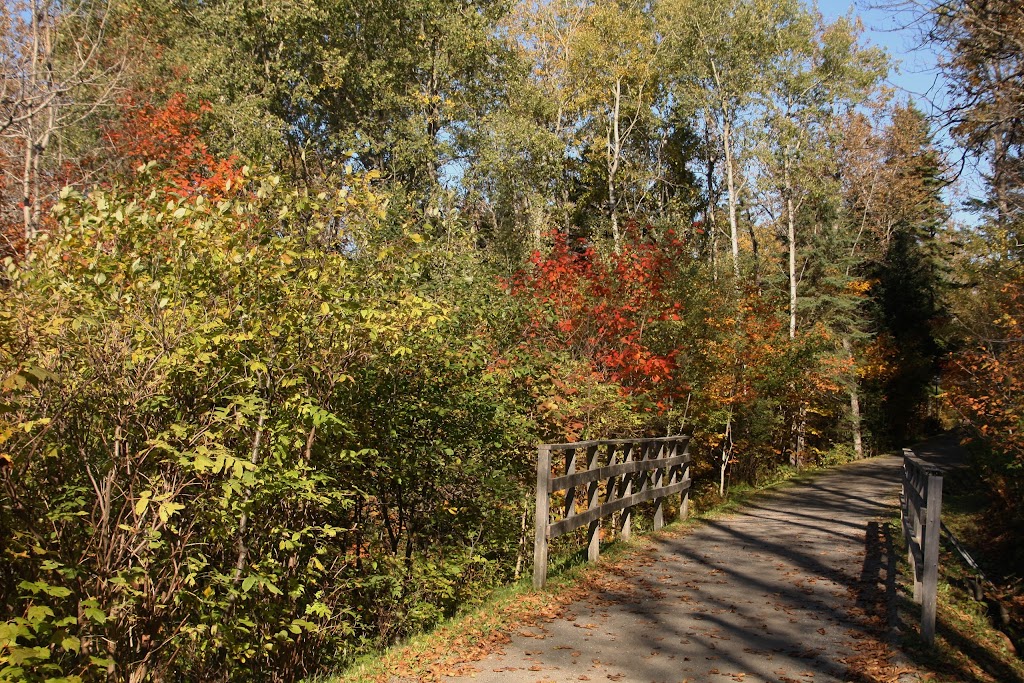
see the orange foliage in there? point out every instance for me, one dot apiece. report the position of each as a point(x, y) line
point(168, 135)
point(880, 359)
point(745, 349)
point(985, 384)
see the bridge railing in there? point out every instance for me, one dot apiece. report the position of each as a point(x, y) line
point(600, 478)
point(921, 510)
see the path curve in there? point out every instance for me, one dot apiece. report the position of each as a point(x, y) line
point(779, 591)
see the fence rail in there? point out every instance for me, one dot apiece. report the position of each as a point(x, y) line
point(921, 510)
point(632, 471)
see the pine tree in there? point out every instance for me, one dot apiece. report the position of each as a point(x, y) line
point(910, 275)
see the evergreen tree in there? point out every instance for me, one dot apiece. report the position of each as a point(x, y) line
point(910, 276)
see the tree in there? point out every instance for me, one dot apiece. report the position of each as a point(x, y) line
point(984, 43)
point(910, 273)
point(615, 61)
point(821, 71)
point(716, 54)
point(302, 84)
point(58, 65)
point(981, 43)
point(594, 64)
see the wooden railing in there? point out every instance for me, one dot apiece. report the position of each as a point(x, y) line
point(629, 471)
point(921, 510)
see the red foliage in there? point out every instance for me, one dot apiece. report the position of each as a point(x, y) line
point(603, 308)
point(169, 135)
point(12, 233)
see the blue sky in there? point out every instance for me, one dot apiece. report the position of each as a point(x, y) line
point(915, 76)
point(916, 72)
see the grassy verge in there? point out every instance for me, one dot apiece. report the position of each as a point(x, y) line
point(453, 645)
point(969, 647)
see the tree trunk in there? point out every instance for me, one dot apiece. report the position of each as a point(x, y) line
point(726, 454)
point(855, 419)
point(801, 433)
point(731, 187)
point(791, 239)
point(710, 228)
point(26, 189)
point(721, 478)
point(614, 153)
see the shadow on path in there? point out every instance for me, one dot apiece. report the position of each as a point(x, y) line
point(779, 591)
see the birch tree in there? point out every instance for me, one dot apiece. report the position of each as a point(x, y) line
point(56, 68)
point(595, 62)
point(820, 72)
point(715, 53)
point(615, 63)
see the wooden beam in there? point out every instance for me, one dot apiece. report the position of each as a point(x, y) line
point(594, 532)
point(609, 471)
point(565, 525)
point(540, 539)
point(932, 524)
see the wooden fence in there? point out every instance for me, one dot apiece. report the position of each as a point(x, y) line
point(921, 510)
point(632, 471)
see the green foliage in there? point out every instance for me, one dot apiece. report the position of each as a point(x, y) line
point(265, 423)
point(294, 81)
point(236, 445)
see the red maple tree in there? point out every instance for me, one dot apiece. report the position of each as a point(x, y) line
point(605, 308)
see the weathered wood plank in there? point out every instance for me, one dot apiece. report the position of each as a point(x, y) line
point(618, 442)
point(565, 525)
point(658, 482)
point(609, 471)
point(917, 501)
point(684, 475)
point(570, 493)
point(625, 491)
point(930, 549)
point(594, 532)
point(915, 554)
point(540, 541)
point(921, 513)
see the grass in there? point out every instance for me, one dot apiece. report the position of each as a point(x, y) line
point(968, 648)
point(450, 647)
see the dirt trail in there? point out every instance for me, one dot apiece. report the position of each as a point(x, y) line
point(777, 592)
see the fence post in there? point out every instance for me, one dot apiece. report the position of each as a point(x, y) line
point(625, 491)
point(904, 500)
point(658, 481)
point(918, 536)
point(930, 550)
point(684, 497)
point(594, 532)
point(540, 541)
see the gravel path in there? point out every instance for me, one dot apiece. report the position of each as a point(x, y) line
point(776, 592)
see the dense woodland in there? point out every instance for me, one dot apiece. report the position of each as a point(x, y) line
point(292, 288)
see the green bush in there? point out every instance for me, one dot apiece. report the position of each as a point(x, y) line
point(237, 446)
